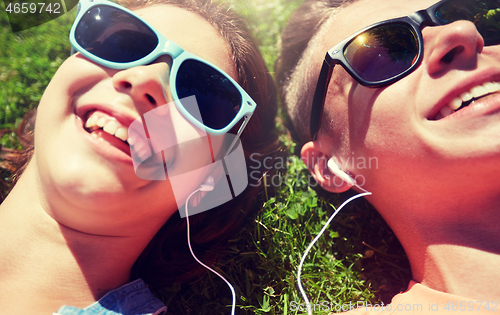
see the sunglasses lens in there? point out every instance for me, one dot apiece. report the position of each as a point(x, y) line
point(383, 52)
point(114, 35)
point(485, 14)
point(218, 99)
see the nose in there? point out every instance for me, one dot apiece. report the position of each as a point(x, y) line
point(147, 85)
point(453, 46)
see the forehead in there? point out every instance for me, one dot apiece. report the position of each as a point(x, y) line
point(362, 13)
point(192, 32)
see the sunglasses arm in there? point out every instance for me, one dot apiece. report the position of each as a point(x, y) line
point(242, 127)
point(319, 96)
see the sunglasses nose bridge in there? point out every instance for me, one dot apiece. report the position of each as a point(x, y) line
point(421, 18)
point(171, 49)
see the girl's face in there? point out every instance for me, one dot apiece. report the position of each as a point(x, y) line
point(89, 176)
point(395, 137)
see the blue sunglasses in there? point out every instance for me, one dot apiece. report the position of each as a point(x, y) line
point(116, 38)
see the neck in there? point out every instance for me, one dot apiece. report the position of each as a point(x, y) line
point(45, 265)
point(454, 246)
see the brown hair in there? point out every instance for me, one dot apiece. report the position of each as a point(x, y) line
point(14, 161)
point(167, 258)
point(304, 24)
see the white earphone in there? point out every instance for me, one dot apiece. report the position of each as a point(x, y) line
point(208, 185)
point(335, 169)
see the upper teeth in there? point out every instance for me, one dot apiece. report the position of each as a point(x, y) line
point(108, 124)
point(475, 92)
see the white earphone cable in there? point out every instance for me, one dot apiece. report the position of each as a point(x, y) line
point(194, 256)
point(299, 282)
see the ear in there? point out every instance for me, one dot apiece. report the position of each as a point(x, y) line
point(317, 162)
point(196, 199)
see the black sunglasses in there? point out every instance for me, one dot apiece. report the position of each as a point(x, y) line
point(385, 52)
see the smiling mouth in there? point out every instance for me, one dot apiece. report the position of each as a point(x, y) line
point(103, 127)
point(96, 120)
point(465, 99)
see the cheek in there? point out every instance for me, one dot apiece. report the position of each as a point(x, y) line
point(353, 120)
point(185, 145)
point(186, 148)
point(52, 113)
point(336, 113)
point(386, 136)
point(388, 119)
point(56, 99)
point(75, 73)
point(383, 123)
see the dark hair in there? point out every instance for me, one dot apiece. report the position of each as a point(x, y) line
point(305, 22)
point(167, 258)
point(14, 161)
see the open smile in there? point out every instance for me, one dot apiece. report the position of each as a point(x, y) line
point(459, 102)
point(106, 131)
point(98, 120)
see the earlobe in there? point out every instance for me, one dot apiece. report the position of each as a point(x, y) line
point(317, 162)
point(196, 199)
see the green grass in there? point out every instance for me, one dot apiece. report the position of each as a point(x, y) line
point(357, 259)
point(266, 19)
point(28, 60)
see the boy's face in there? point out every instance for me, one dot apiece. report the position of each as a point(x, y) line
point(400, 125)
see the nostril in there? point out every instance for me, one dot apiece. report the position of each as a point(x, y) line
point(151, 99)
point(448, 58)
point(125, 85)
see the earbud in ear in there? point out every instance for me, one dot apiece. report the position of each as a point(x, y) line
point(208, 185)
point(335, 169)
